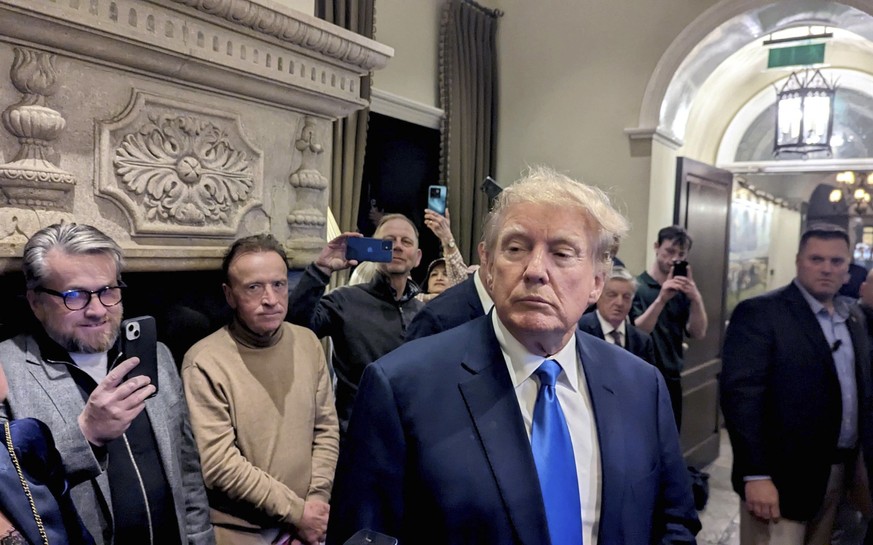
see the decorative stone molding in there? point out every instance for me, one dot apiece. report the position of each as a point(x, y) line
point(308, 144)
point(300, 30)
point(297, 61)
point(32, 179)
point(172, 108)
point(179, 169)
point(307, 217)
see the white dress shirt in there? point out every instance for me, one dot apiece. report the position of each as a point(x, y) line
point(607, 329)
point(575, 401)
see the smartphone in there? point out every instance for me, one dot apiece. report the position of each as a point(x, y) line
point(369, 537)
point(680, 268)
point(436, 199)
point(139, 338)
point(369, 249)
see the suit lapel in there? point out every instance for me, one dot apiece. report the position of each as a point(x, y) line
point(611, 440)
point(493, 407)
point(809, 327)
point(155, 412)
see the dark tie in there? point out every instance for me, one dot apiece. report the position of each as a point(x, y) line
point(616, 336)
point(556, 464)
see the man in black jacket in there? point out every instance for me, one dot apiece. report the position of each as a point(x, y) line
point(365, 321)
point(796, 397)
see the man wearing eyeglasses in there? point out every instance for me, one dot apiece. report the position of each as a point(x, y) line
point(131, 459)
point(262, 409)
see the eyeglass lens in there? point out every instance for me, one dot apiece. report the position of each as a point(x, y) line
point(79, 299)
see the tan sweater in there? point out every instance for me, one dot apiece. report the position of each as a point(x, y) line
point(265, 423)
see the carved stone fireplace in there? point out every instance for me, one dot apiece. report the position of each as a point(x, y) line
point(175, 126)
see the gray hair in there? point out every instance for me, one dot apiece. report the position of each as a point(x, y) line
point(620, 273)
point(71, 239)
point(544, 185)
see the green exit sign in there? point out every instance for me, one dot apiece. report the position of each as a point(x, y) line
point(796, 55)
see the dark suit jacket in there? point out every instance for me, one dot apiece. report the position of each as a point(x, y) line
point(780, 396)
point(41, 465)
point(638, 342)
point(437, 451)
point(453, 307)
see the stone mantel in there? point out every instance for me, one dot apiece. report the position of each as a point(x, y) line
point(175, 126)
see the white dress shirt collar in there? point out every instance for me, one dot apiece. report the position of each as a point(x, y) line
point(607, 327)
point(522, 364)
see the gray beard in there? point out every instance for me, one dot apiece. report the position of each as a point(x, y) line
point(74, 345)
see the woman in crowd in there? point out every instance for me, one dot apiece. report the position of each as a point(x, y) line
point(35, 503)
point(448, 270)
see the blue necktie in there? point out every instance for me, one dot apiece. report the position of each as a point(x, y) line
point(556, 465)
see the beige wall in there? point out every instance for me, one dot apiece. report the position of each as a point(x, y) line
point(411, 27)
point(573, 75)
point(572, 85)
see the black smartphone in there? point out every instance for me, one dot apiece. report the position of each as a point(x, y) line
point(139, 338)
point(436, 199)
point(680, 268)
point(369, 537)
point(369, 249)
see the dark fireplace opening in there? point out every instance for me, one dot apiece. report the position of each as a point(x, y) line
point(187, 305)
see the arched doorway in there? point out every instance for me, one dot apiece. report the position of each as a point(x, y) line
point(706, 100)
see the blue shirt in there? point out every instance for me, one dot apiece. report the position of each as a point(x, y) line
point(837, 334)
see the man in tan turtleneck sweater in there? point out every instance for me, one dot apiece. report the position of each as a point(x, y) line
point(262, 409)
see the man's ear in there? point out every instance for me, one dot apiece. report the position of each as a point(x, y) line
point(228, 296)
point(417, 257)
point(35, 304)
point(599, 283)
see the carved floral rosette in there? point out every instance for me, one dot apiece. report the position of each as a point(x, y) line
point(179, 169)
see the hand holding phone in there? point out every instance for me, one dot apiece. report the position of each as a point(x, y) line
point(139, 339)
point(369, 249)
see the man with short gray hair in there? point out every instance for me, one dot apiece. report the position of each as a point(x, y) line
point(514, 427)
point(609, 320)
point(365, 321)
point(70, 375)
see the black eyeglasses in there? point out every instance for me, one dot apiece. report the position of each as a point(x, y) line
point(108, 296)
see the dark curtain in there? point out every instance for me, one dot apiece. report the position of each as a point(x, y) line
point(468, 95)
point(349, 133)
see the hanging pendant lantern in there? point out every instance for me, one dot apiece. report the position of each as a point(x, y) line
point(804, 114)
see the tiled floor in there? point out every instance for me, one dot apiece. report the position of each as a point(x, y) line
point(721, 518)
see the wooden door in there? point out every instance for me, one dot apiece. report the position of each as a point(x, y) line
point(703, 197)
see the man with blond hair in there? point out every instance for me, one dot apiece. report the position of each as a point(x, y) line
point(515, 427)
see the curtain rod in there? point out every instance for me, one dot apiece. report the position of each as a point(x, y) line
point(483, 9)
